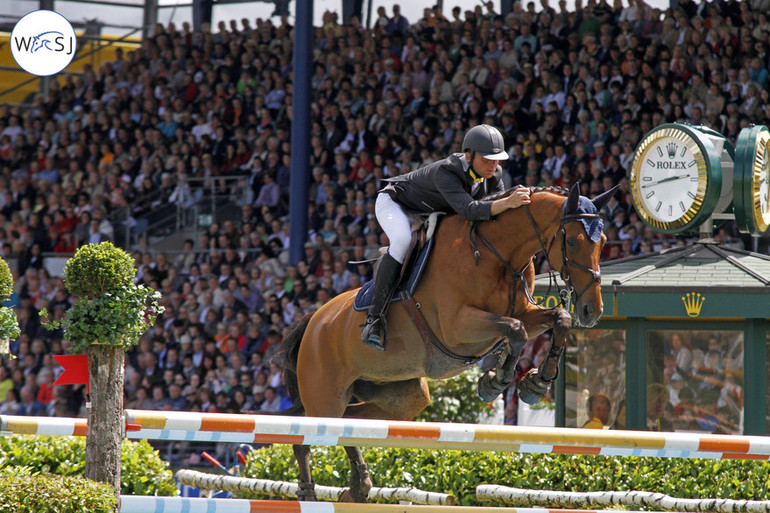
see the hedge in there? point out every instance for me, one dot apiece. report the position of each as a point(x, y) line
point(430, 470)
point(53, 494)
point(142, 470)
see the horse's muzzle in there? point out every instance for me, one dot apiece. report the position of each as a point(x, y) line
point(586, 315)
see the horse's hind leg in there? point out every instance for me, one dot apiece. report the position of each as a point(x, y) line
point(360, 480)
point(306, 490)
point(536, 383)
point(400, 400)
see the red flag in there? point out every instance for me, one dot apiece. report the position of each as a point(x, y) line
point(75, 369)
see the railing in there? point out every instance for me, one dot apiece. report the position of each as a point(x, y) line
point(186, 205)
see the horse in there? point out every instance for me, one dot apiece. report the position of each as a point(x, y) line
point(472, 300)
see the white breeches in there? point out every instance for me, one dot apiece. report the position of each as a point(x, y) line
point(396, 225)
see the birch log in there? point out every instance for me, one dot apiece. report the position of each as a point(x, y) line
point(660, 501)
point(284, 489)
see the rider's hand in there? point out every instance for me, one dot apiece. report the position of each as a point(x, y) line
point(518, 198)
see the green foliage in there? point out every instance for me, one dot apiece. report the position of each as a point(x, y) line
point(6, 281)
point(459, 472)
point(111, 309)
point(98, 268)
point(9, 325)
point(53, 494)
point(142, 470)
point(9, 329)
point(117, 318)
point(456, 400)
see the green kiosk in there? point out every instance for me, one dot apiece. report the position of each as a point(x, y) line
point(683, 341)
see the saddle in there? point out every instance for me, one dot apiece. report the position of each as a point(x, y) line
point(420, 247)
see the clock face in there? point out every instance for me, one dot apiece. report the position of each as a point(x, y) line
point(761, 182)
point(669, 179)
point(752, 180)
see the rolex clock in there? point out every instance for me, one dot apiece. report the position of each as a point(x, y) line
point(752, 180)
point(677, 176)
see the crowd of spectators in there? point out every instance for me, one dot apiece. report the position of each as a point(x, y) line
point(572, 91)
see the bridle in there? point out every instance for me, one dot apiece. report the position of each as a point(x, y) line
point(565, 294)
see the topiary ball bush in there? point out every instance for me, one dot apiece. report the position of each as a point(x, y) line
point(98, 268)
point(6, 281)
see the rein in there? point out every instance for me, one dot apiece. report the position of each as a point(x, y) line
point(565, 294)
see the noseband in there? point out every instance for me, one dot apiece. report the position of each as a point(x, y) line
point(565, 294)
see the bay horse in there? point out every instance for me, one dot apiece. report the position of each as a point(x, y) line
point(474, 298)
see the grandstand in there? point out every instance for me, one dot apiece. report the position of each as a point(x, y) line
point(177, 146)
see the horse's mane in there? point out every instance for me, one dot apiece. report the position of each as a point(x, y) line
point(532, 190)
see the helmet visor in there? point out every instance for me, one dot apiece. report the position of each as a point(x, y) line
point(502, 155)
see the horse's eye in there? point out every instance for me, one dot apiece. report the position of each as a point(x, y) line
point(571, 243)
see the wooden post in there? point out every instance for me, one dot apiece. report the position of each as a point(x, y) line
point(105, 415)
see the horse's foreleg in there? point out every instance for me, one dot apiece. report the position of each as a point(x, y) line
point(494, 382)
point(536, 383)
point(475, 325)
point(360, 480)
point(306, 490)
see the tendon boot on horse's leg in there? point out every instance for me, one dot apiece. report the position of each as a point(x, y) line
point(360, 480)
point(536, 383)
point(375, 328)
point(306, 490)
point(493, 382)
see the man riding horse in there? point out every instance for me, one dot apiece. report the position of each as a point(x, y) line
point(453, 184)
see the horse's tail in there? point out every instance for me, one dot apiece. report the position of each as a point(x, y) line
point(287, 361)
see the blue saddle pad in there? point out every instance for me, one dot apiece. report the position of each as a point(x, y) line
point(404, 289)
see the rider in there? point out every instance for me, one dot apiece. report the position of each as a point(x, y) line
point(453, 184)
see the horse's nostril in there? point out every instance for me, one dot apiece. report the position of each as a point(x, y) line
point(587, 311)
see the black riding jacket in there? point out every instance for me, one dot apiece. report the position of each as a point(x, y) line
point(445, 186)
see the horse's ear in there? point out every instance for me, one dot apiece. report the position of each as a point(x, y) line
point(602, 199)
point(572, 198)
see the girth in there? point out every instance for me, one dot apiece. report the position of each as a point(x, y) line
point(413, 309)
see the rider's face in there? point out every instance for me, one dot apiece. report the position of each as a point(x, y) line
point(483, 166)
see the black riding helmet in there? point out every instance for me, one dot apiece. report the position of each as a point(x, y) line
point(485, 140)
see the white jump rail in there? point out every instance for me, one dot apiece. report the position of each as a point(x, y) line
point(222, 427)
point(148, 504)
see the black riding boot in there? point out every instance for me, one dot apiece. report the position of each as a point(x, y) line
point(375, 328)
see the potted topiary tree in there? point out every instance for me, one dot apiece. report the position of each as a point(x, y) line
point(9, 325)
point(109, 316)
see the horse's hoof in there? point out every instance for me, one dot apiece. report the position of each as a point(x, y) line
point(532, 387)
point(490, 387)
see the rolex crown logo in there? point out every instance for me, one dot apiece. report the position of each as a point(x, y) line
point(693, 302)
point(671, 148)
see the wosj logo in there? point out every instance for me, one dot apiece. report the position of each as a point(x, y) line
point(43, 43)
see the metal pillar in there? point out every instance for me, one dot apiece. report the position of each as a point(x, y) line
point(149, 18)
point(636, 376)
point(755, 378)
point(350, 8)
point(300, 129)
point(506, 6)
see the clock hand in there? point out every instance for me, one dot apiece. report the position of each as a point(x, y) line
point(669, 179)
